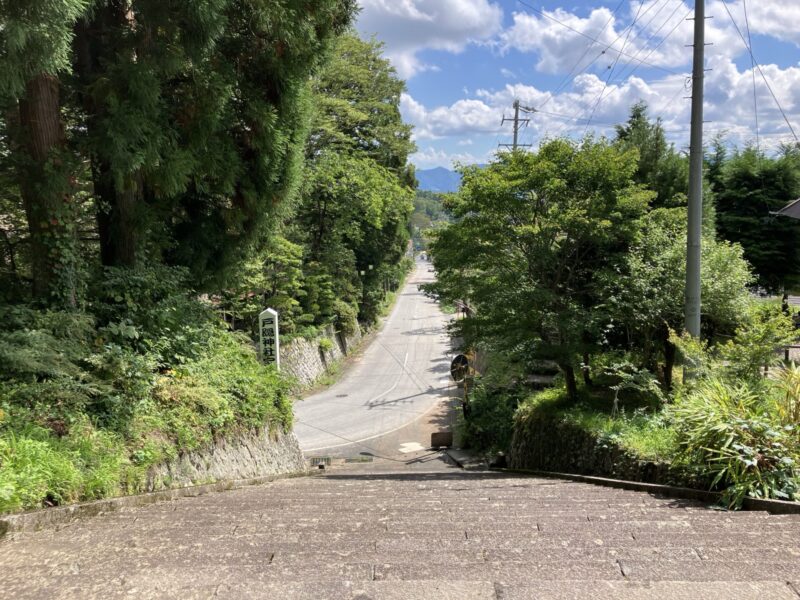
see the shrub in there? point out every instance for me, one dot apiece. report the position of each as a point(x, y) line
point(32, 471)
point(732, 430)
point(325, 344)
point(490, 422)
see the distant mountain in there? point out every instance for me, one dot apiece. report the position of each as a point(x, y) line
point(438, 180)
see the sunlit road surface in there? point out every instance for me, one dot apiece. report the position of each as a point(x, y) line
point(401, 376)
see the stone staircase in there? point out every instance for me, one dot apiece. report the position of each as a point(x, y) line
point(419, 529)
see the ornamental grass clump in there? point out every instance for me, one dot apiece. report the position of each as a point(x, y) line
point(734, 430)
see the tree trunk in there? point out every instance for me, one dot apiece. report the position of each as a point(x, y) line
point(587, 376)
point(44, 184)
point(96, 43)
point(669, 363)
point(569, 378)
point(118, 224)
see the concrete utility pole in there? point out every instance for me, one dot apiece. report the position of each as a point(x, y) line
point(518, 124)
point(695, 212)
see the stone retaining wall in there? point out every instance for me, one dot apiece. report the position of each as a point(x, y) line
point(253, 455)
point(306, 361)
point(545, 442)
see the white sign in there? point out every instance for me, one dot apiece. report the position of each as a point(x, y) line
point(270, 343)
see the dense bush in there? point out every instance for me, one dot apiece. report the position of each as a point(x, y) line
point(88, 402)
point(488, 427)
point(735, 431)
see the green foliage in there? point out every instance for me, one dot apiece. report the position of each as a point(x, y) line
point(488, 427)
point(644, 298)
point(533, 235)
point(82, 417)
point(429, 213)
point(660, 167)
point(748, 186)
point(326, 344)
point(728, 427)
point(35, 38)
point(756, 343)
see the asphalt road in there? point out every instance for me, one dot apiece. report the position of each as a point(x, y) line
point(394, 386)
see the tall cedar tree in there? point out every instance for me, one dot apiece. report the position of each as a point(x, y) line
point(748, 187)
point(660, 168)
point(196, 116)
point(34, 50)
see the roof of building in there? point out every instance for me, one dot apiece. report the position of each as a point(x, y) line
point(790, 210)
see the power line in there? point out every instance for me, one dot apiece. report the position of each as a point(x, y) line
point(668, 19)
point(626, 31)
point(569, 77)
point(753, 70)
point(640, 62)
point(588, 37)
point(764, 77)
point(664, 39)
point(613, 66)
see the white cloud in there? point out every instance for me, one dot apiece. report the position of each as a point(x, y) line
point(508, 73)
point(433, 157)
point(659, 38)
point(462, 117)
point(777, 18)
point(728, 96)
point(410, 26)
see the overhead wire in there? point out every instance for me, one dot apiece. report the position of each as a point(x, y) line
point(571, 76)
point(630, 74)
point(760, 70)
point(613, 66)
point(588, 37)
point(753, 71)
point(641, 62)
point(652, 35)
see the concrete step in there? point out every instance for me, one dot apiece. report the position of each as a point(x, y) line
point(361, 533)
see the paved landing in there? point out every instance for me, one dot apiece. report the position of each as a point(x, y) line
point(412, 528)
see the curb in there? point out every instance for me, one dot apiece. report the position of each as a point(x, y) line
point(62, 515)
point(777, 507)
point(468, 461)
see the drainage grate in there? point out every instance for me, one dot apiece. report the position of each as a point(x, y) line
point(316, 461)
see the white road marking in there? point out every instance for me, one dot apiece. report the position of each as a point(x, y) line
point(399, 377)
point(411, 447)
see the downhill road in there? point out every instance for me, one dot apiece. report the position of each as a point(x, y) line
point(401, 376)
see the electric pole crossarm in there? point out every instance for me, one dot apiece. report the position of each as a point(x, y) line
point(518, 124)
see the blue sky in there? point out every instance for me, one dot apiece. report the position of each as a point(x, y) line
point(465, 61)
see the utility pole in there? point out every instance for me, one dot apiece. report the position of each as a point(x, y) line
point(695, 212)
point(518, 124)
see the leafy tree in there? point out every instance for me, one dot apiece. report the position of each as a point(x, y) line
point(357, 96)
point(355, 203)
point(750, 186)
point(353, 215)
point(532, 236)
point(661, 168)
point(645, 298)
